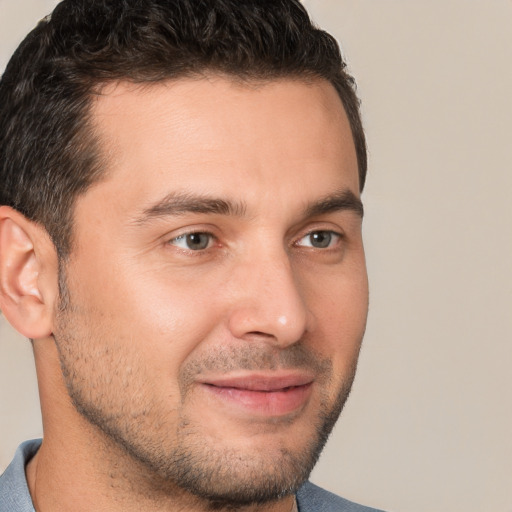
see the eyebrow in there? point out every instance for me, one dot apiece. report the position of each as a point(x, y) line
point(179, 203)
point(339, 201)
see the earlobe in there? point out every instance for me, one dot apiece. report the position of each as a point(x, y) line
point(25, 256)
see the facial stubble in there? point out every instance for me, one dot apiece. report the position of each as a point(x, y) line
point(218, 473)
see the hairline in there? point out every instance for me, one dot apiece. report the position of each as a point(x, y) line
point(100, 146)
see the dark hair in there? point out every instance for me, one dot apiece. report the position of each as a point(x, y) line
point(48, 154)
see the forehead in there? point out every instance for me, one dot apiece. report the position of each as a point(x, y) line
point(215, 132)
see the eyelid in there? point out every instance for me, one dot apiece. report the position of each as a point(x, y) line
point(337, 234)
point(192, 231)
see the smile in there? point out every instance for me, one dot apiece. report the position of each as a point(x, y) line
point(271, 396)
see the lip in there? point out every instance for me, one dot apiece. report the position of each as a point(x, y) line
point(271, 395)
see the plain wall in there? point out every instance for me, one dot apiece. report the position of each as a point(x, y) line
point(428, 427)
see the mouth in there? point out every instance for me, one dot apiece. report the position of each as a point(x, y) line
point(262, 395)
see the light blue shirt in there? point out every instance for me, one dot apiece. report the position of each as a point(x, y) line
point(15, 496)
point(14, 493)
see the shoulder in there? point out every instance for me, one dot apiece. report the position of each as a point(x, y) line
point(311, 498)
point(14, 493)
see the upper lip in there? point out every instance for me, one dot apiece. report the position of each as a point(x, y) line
point(261, 382)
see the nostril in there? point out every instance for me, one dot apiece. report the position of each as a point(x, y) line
point(260, 333)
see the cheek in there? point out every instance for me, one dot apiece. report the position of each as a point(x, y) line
point(162, 315)
point(340, 310)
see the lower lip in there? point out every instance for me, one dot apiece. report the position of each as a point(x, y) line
point(266, 403)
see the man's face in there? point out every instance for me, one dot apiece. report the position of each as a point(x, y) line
point(217, 284)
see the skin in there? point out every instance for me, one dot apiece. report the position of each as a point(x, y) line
point(163, 347)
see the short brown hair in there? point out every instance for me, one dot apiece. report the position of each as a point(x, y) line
point(48, 155)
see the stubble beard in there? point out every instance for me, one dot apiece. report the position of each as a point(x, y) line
point(221, 476)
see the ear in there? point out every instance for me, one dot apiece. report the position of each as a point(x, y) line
point(28, 274)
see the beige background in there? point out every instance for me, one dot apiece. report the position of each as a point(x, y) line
point(429, 425)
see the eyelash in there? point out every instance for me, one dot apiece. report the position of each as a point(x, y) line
point(187, 236)
point(333, 237)
point(331, 234)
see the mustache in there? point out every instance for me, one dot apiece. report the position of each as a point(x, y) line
point(256, 357)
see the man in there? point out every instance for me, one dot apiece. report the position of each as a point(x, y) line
point(180, 238)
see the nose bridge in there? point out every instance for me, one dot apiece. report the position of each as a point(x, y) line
point(270, 301)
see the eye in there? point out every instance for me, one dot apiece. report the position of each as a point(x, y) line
point(193, 241)
point(320, 239)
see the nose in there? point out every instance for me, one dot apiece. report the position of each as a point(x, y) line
point(269, 302)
